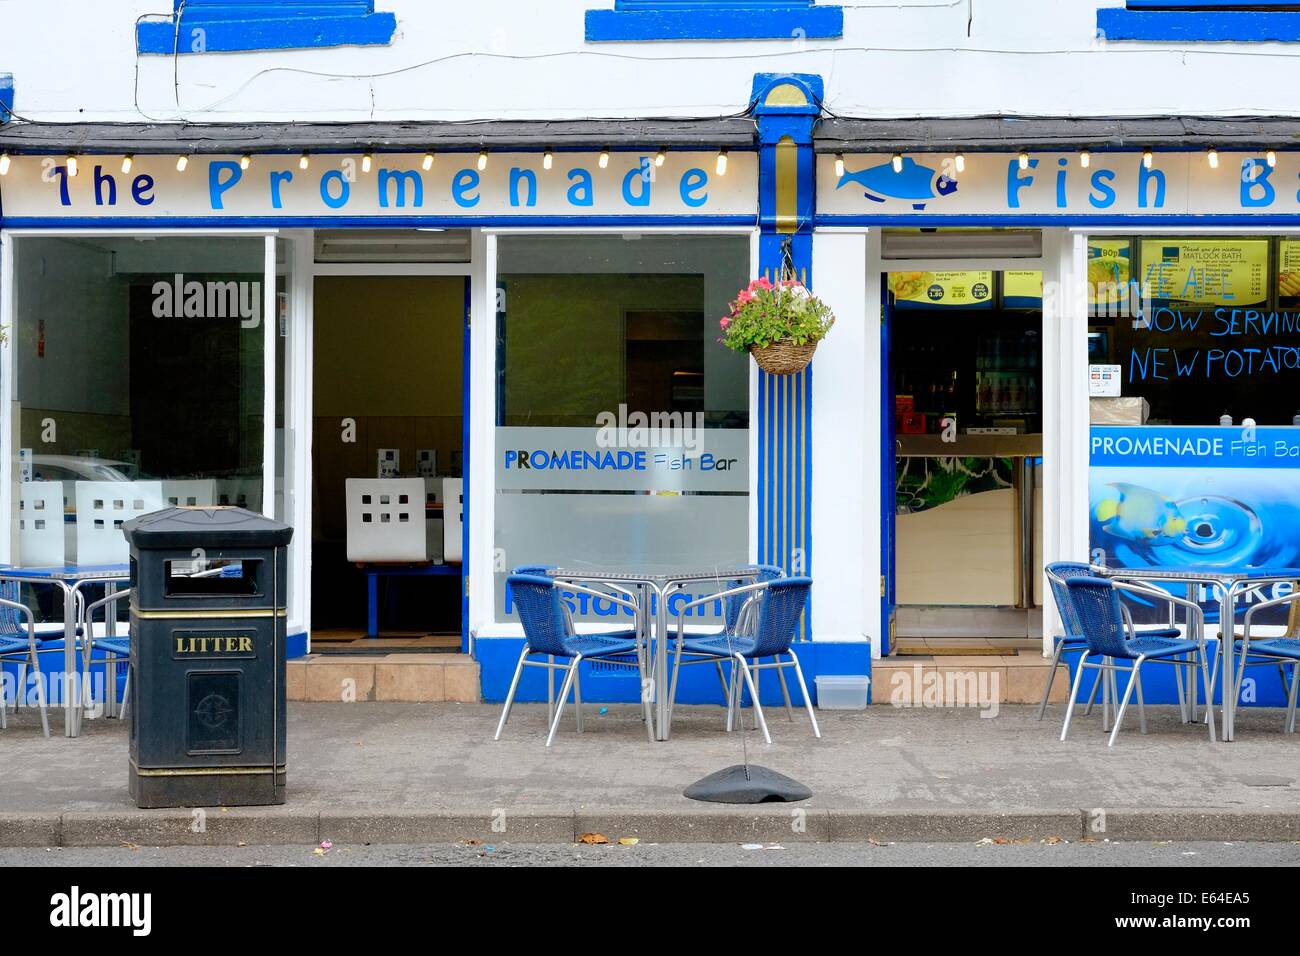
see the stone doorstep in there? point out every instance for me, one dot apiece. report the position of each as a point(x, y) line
point(415, 678)
point(1020, 679)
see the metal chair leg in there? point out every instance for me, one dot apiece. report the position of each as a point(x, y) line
point(1092, 695)
point(510, 695)
point(1123, 705)
point(1074, 695)
point(722, 679)
point(1291, 704)
point(1047, 691)
point(569, 673)
point(577, 696)
point(22, 682)
point(733, 699)
point(785, 690)
point(40, 694)
point(807, 700)
point(550, 689)
point(1209, 697)
point(1142, 710)
point(1178, 688)
point(672, 691)
point(753, 693)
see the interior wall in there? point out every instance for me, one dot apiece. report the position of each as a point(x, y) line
point(388, 354)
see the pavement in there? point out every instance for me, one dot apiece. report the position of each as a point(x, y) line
point(405, 774)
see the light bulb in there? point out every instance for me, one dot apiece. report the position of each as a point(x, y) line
point(1271, 158)
point(722, 162)
point(428, 162)
point(959, 163)
point(1085, 159)
point(604, 158)
point(1024, 160)
point(366, 160)
point(1146, 158)
point(245, 161)
point(898, 162)
point(839, 166)
point(660, 157)
point(181, 162)
point(304, 160)
point(482, 159)
point(72, 165)
point(4, 164)
point(1213, 157)
point(547, 160)
point(127, 160)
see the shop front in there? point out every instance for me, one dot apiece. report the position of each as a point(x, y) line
point(1081, 354)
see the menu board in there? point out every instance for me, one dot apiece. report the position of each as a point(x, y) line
point(1288, 269)
point(1109, 270)
point(1022, 289)
point(941, 289)
point(1206, 271)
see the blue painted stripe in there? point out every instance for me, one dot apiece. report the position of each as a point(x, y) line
point(181, 222)
point(6, 96)
point(703, 23)
point(1077, 221)
point(213, 33)
point(1247, 26)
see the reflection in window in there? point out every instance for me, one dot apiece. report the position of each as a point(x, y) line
point(139, 385)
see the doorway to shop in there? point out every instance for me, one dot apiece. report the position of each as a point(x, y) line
point(963, 399)
point(389, 414)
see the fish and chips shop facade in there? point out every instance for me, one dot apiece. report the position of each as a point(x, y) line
point(1049, 345)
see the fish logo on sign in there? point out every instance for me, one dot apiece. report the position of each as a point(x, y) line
point(913, 182)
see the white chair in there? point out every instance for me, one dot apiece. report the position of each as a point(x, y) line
point(102, 508)
point(240, 493)
point(189, 492)
point(40, 524)
point(453, 510)
point(386, 520)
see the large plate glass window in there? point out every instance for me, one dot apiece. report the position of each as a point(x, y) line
point(622, 424)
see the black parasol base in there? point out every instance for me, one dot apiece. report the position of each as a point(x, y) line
point(747, 783)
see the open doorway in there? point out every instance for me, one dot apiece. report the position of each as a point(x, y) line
point(963, 391)
point(388, 463)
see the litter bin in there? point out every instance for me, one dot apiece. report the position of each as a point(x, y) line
point(207, 657)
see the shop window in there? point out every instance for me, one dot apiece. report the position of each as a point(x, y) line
point(622, 425)
point(139, 385)
point(715, 20)
point(224, 26)
point(1198, 327)
point(1238, 21)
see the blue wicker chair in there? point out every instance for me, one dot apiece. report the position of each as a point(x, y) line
point(1279, 651)
point(549, 631)
point(778, 606)
point(19, 644)
point(1110, 634)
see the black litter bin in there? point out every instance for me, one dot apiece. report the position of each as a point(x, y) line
point(207, 657)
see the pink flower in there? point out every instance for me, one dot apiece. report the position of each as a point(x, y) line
point(762, 282)
point(724, 323)
point(745, 297)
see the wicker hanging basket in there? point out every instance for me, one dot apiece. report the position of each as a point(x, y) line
point(784, 357)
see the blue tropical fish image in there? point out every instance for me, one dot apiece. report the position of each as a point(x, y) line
point(1138, 514)
point(913, 181)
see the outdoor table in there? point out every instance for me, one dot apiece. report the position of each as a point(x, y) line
point(1229, 584)
point(662, 582)
point(70, 580)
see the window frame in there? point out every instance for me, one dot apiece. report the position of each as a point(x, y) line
point(1200, 21)
point(229, 26)
point(666, 20)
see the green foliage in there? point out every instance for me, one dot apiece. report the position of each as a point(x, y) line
point(765, 312)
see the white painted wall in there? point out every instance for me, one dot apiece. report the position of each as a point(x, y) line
point(75, 60)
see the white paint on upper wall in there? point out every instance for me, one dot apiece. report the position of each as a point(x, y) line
point(76, 61)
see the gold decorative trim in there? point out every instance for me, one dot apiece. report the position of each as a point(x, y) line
point(785, 94)
point(206, 771)
point(213, 613)
point(787, 185)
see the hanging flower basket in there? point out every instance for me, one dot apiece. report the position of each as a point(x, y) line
point(786, 357)
point(779, 323)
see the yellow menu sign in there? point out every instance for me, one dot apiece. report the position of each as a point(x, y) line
point(942, 288)
point(1206, 271)
point(1109, 270)
point(1022, 287)
point(1288, 269)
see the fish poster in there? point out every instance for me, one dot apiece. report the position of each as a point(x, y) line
point(1196, 497)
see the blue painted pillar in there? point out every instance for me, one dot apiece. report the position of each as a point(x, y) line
point(786, 106)
point(6, 97)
